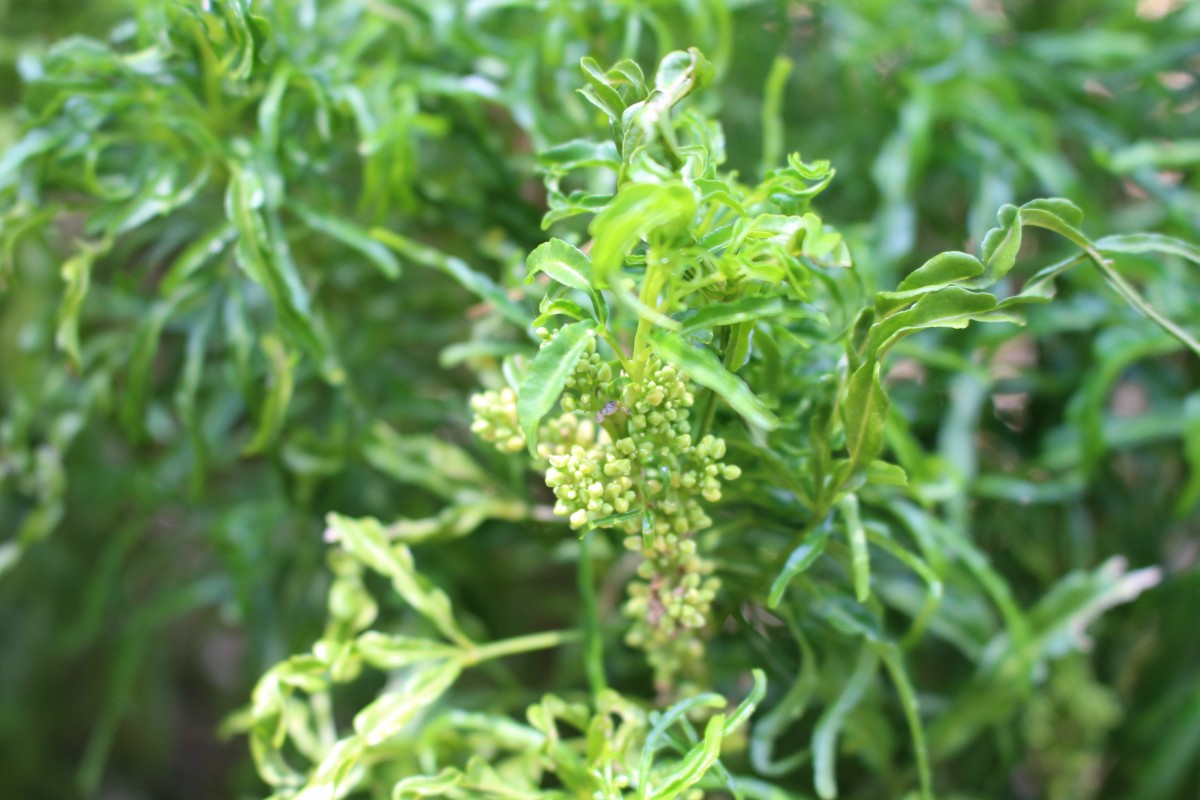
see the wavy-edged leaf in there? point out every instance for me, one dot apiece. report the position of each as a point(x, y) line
point(367, 541)
point(76, 272)
point(940, 271)
point(393, 651)
point(637, 211)
point(569, 266)
point(864, 412)
point(547, 374)
point(745, 708)
point(563, 262)
point(559, 306)
point(948, 307)
point(1001, 245)
point(393, 710)
point(428, 785)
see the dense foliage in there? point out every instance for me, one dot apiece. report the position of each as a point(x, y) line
point(482, 399)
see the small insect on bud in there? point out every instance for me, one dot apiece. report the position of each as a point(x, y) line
point(610, 408)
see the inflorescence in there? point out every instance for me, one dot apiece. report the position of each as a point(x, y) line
point(622, 455)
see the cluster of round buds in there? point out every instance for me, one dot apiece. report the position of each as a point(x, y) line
point(496, 420)
point(586, 388)
point(590, 484)
point(670, 608)
point(616, 449)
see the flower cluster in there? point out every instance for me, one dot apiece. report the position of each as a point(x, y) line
point(496, 420)
point(622, 455)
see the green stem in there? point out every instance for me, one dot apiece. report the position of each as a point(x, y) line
point(518, 644)
point(652, 283)
point(611, 341)
point(593, 643)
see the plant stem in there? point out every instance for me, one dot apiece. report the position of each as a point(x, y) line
point(593, 643)
point(518, 644)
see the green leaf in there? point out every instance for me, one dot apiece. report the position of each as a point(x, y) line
point(393, 710)
point(1149, 243)
point(860, 563)
point(187, 391)
point(636, 212)
point(612, 520)
point(894, 662)
point(1167, 154)
point(562, 262)
point(261, 255)
point(76, 272)
point(600, 93)
point(1190, 496)
point(744, 309)
point(825, 735)
point(786, 710)
point(389, 652)
point(1001, 245)
point(428, 785)
point(941, 270)
point(680, 73)
point(703, 367)
point(803, 557)
point(883, 473)
point(1058, 215)
point(948, 307)
point(367, 541)
point(140, 382)
point(196, 255)
point(745, 708)
point(578, 154)
point(658, 732)
point(475, 282)
point(349, 234)
point(698, 761)
point(559, 306)
point(864, 412)
point(280, 365)
point(570, 267)
point(544, 381)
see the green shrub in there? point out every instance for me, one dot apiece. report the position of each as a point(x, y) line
point(740, 514)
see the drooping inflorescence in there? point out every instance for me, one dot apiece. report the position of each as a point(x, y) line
point(622, 455)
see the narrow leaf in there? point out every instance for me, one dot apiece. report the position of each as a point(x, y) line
point(864, 412)
point(824, 740)
point(801, 559)
point(741, 310)
point(695, 764)
point(544, 381)
point(860, 563)
point(351, 235)
point(704, 368)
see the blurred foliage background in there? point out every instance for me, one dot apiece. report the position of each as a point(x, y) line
point(172, 433)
